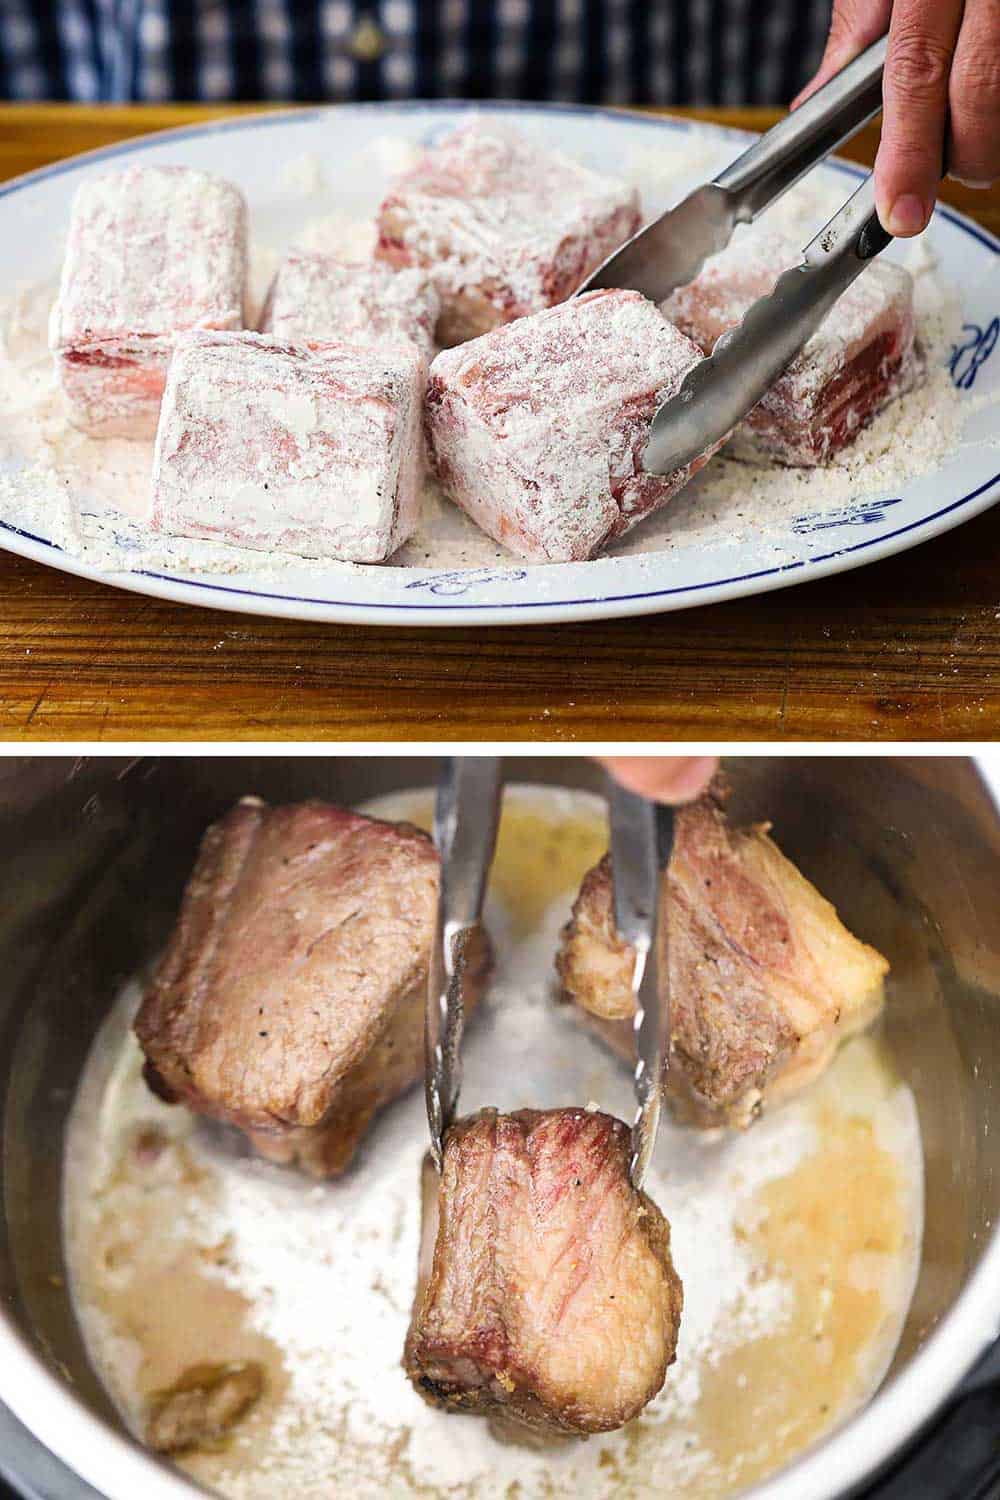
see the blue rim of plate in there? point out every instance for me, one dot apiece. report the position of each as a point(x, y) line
point(308, 115)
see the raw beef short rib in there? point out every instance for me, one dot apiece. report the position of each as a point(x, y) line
point(315, 451)
point(546, 1293)
point(765, 981)
point(537, 429)
point(860, 358)
point(289, 1000)
point(152, 252)
point(316, 298)
point(505, 227)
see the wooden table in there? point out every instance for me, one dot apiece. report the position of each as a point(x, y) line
point(907, 649)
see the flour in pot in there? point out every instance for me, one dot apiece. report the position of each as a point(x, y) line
point(183, 1250)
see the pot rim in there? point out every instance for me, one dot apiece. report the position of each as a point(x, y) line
point(120, 1468)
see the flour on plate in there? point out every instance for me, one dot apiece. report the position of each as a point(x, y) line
point(91, 497)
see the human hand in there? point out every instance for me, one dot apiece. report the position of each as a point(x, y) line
point(665, 778)
point(942, 77)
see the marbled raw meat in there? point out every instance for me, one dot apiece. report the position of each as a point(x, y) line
point(314, 451)
point(152, 252)
point(861, 357)
point(315, 298)
point(504, 226)
point(537, 429)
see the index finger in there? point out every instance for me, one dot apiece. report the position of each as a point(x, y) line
point(910, 161)
point(854, 25)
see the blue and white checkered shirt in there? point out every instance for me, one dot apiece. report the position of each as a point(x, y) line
point(618, 51)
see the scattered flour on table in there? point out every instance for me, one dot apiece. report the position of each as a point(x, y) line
point(92, 497)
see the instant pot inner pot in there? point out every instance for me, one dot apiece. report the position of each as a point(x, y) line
point(95, 854)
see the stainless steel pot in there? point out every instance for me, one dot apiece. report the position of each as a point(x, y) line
point(94, 854)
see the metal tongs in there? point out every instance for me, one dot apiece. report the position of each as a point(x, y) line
point(642, 840)
point(668, 253)
point(466, 818)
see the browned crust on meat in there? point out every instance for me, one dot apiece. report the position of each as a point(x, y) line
point(764, 979)
point(474, 1362)
point(394, 1064)
point(289, 998)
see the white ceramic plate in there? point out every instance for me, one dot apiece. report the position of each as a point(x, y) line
point(690, 554)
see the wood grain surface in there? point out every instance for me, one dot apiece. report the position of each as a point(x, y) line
point(907, 649)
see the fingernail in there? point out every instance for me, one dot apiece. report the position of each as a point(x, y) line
point(971, 182)
point(908, 215)
point(687, 779)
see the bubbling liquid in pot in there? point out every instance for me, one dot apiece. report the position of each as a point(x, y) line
point(797, 1241)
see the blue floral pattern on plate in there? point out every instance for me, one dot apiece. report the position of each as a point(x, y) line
point(856, 513)
point(450, 585)
point(971, 353)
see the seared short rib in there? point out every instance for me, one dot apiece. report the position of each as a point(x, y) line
point(765, 981)
point(546, 1293)
point(290, 998)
